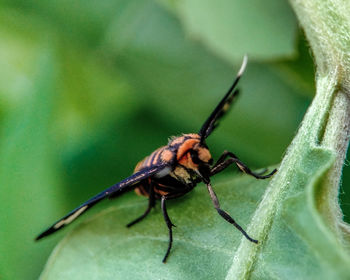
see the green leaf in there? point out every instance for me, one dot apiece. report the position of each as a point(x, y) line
point(102, 247)
point(263, 29)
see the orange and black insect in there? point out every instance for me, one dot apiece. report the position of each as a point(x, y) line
point(174, 170)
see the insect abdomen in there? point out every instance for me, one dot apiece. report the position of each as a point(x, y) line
point(152, 159)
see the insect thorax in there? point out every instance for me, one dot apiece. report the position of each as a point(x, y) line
point(181, 178)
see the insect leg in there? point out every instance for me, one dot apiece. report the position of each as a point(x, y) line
point(223, 163)
point(221, 158)
point(151, 204)
point(170, 225)
point(225, 215)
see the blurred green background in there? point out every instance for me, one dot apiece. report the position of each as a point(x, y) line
point(88, 88)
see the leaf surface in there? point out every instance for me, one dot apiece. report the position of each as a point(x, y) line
point(103, 248)
point(263, 29)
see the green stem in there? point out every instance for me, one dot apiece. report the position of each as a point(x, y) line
point(336, 137)
point(327, 27)
point(326, 126)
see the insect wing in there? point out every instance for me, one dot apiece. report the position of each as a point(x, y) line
point(223, 106)
point(119, 187)
point(224, 109)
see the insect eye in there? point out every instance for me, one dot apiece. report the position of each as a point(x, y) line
point(194, 157)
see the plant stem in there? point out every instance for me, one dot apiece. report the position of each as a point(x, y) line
point(327, 27)
point(326, 127)
point(336, 137)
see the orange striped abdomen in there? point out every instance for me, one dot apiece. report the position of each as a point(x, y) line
point(151, 160)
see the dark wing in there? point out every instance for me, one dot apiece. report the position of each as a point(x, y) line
point(133, 179)
point(223, 106)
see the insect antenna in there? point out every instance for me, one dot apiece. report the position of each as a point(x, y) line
point(220, 109)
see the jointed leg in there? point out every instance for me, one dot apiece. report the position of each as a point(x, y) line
point(151, 204)
point(170, 225)
point(223, 163)
point(222, 158)
point(225, 215)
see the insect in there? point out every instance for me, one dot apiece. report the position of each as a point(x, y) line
point(174, 170)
